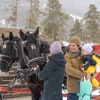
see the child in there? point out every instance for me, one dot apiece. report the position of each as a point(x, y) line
point(90, 63)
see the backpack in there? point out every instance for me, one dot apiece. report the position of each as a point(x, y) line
point(85, 89)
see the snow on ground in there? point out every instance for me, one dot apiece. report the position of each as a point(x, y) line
point(96, 93)
point(64, 98)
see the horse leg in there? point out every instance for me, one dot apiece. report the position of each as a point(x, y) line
point(35, 88)
point(32, 96)
point(35, 95)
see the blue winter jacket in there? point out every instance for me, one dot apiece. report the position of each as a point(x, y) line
point(52, 75)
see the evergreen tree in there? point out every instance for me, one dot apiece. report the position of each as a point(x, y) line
point(92, 25)
point(77, 30)
point(12, 19)
point(55, 20)
point(33, 15)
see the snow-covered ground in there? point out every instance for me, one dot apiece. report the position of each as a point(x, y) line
point(64, 98)
point(96, 93)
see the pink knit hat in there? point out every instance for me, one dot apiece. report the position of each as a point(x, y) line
point(55, 47)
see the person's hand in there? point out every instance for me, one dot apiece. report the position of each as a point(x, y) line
point(88, 76)
point(36, 68)
point(82, 69)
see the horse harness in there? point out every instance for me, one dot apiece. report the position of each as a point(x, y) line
point(22, 73)
point(13, 58)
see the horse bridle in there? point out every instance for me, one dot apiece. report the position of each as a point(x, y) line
point(26, 58)
point(12, 60)
point(22, 73)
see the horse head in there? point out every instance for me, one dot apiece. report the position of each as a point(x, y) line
point(9, 52)
point(33, 48)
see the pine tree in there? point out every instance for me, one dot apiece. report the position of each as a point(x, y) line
point(12, 19)
point(33, 15)
point(77, 30)
point(55, 20)
point(92, 25)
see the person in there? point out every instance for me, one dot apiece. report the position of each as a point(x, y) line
point(90, 61)
point(52, 74)
point(73, 68)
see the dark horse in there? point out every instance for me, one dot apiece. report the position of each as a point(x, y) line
point(30, 52)
point(9, 52)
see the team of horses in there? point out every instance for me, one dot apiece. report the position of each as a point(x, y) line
point(28, 50)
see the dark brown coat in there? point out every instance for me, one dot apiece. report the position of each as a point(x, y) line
point(74, 73)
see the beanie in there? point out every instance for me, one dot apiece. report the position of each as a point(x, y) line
point(55, 47)
point(87, 47)
point(75, 40)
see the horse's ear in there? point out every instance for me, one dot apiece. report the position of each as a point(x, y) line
point(22, 35)
point(3, 37)
point(36, 33)
point(11, 36)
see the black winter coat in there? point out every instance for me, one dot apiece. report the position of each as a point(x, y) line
point(52, 75)
point(88, 60)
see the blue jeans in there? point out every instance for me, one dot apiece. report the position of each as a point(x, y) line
point(72, 96)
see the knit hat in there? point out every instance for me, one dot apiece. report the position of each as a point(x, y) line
point(55, 47)
point(75, 40)
point(88, 48)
